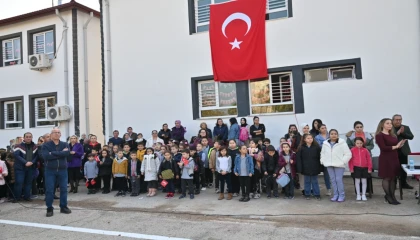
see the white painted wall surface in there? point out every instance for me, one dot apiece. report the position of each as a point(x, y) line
point(154, 58)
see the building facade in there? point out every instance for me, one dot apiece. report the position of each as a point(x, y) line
point(339, 61)
point(59, 34)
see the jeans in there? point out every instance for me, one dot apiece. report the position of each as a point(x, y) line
point(52, 178)
point(327, 178)
point(135, 184)
point(245, 183)
point(225, 178)
point(290, 188)
point(311, 182)
point(336, 176)
point(23, 180)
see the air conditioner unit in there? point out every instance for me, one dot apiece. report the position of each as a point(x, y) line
point(39, 62)
point(59, 113)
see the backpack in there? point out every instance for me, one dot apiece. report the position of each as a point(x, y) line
point(243, 134)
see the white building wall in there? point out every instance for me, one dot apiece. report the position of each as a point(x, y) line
point(154, 60)
point(94, 75)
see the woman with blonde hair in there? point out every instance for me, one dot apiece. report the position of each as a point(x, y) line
point(389, 166)
point(74, 162)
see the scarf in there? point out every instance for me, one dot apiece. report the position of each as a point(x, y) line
point(362, 135)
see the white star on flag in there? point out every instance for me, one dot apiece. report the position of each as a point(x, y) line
point(235, 44)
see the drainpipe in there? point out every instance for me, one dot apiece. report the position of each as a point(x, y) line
point(109, 67)
point(85, 57)
point(66, 66)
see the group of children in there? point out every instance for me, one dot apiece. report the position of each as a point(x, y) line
point(244, 169)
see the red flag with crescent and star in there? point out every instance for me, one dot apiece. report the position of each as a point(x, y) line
point(237, 40)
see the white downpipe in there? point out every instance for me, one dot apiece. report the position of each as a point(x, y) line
point(109, 68)
point(85, 57)
point(66, 66)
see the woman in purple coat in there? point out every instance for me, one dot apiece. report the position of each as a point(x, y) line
point(74, 162)
point(178, 131)
point(389, 165)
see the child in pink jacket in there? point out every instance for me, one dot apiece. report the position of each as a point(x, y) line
point(360, 166)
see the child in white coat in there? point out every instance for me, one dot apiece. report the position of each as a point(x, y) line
point(3, 175)
point(150, 169)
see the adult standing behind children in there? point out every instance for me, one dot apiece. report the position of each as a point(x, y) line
point(55, 153)
point(220, 131)
point(178, 131)
point(116, 140)
point(153, 140)
point(165, 133)
point(233, 130)
point(26, 157)
point(74, 163)
point(257, 130)
point(403, 133)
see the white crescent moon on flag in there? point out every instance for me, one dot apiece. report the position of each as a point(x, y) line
point(235, 16)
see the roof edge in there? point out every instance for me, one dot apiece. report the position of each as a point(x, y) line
point(47, 11)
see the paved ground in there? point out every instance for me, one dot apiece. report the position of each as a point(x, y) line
point(207, 218)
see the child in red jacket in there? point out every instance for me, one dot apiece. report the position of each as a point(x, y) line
point(360, 166)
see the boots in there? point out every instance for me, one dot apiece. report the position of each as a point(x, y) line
point(221, 196)
point(71, 187)
point(229, 196)
point(75, 189)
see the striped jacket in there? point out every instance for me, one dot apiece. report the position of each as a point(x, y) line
point(20, 155)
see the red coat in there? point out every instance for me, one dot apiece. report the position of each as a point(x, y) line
point(282, 162)
point(360, 158)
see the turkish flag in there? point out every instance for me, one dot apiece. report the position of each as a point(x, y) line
point(237, 40)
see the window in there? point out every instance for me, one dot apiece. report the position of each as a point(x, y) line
point(330, 74)
point(44, 43)
point(273, 95)
point(11, 51)
point(41, 111)
point(13, 114)
point(217, 99)
point(275, 9)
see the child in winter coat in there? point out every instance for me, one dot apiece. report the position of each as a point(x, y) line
point(256, 153)
point(170, 170)
point(232, 151)
point(134, 171)
point(244, 169)
point(119, 171)
point(335, 155)
point(360, 166)
point(287, 163)
point(224, 168)
point(308, 164)
point(150, 169)
point(198, 167)
point(91, 171)
point(187, 172)
point(105, 170)
point(3, 174)
point(270, 168)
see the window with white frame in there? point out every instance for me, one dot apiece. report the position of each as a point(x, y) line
point(330, 74)
point(272, 95)
point(41, 111)
point(43, 42)
point(13, 114)
point(11, 51)
point(217, 99)
point(275, 9)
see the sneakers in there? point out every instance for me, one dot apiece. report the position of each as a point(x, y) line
point(65, 210)
point(257, 195)
point(334, 199)
point(318, 198)
point(123, 194)
point(118, 194)
point(329, 192)
point(191, 196)
point(242, 199)
point(210, 185)
point(307, 197)
point(182, 196)
point(217, 190)
point(203, 189)
point(364, 198)
point(235, 195)
point(251, 195)
point(359, 198)
point(268, 196)
point(2, 200)
point(34, 196)
point(247, 199)
point(341, 200)
point(291, 197)
point(50, 212)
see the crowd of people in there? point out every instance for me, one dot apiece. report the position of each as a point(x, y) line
point(237, 160)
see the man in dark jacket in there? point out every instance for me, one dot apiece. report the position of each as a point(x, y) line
point(55, 153)
point(403, 132)
point(116, 140)
point(270, 167)
point(257, 130)
point(26, 157)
